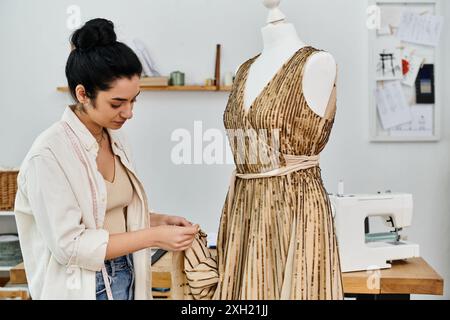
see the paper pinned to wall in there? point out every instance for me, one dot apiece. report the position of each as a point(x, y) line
point(421, 124)
point(420, 29)
point(390, 19)
point(392, 106)
point(414, 62)
point(389, 64)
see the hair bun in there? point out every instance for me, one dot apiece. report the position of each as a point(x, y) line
point(95, 32)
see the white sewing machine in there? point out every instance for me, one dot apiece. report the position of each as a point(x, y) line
point(361, 250)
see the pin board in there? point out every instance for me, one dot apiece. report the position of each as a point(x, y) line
point(405, 70)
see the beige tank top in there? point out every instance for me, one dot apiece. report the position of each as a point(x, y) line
point(119, 195)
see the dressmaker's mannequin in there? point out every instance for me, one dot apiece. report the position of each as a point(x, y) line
point(273, 244)
point(280, 43)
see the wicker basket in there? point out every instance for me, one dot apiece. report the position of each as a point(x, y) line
point(8, 189)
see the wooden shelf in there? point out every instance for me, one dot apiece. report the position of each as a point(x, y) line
point(6, 268)
point(215, 88)
point(172, 88)
point(6, 213)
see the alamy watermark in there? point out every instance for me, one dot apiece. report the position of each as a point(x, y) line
point(373, 21)
point(74, 19)
point(251, 146)
point(373, 278)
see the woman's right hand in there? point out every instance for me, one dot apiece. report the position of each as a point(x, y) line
point(173, 238)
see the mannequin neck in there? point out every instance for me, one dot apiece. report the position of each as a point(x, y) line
point(280, 34)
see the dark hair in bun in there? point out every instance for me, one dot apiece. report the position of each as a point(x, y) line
point(98, 59)
point(96, 32)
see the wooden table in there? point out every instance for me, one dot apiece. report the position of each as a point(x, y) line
point(413, 276)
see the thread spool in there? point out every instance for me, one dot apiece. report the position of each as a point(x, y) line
point(177, 78)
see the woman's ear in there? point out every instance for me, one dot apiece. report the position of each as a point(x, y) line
point(80, 92)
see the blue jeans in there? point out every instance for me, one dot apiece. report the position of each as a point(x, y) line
point(121, 279)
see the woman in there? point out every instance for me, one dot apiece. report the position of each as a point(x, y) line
point(81, 211)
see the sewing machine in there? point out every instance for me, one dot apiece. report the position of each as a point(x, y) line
point(359, 248)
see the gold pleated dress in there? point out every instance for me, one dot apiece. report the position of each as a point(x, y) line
point(277, 240)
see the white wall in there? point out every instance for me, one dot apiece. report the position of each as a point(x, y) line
point(182, 35)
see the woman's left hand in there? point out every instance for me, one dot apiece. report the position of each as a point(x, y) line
point(157, 219)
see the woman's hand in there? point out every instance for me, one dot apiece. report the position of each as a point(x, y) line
point(173, 238)
point(177, 221)
point(157, 219)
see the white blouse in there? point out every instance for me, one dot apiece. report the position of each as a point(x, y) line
point(60, 208)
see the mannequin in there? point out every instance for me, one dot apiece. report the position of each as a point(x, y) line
point(280, 43)
point(276, 236)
